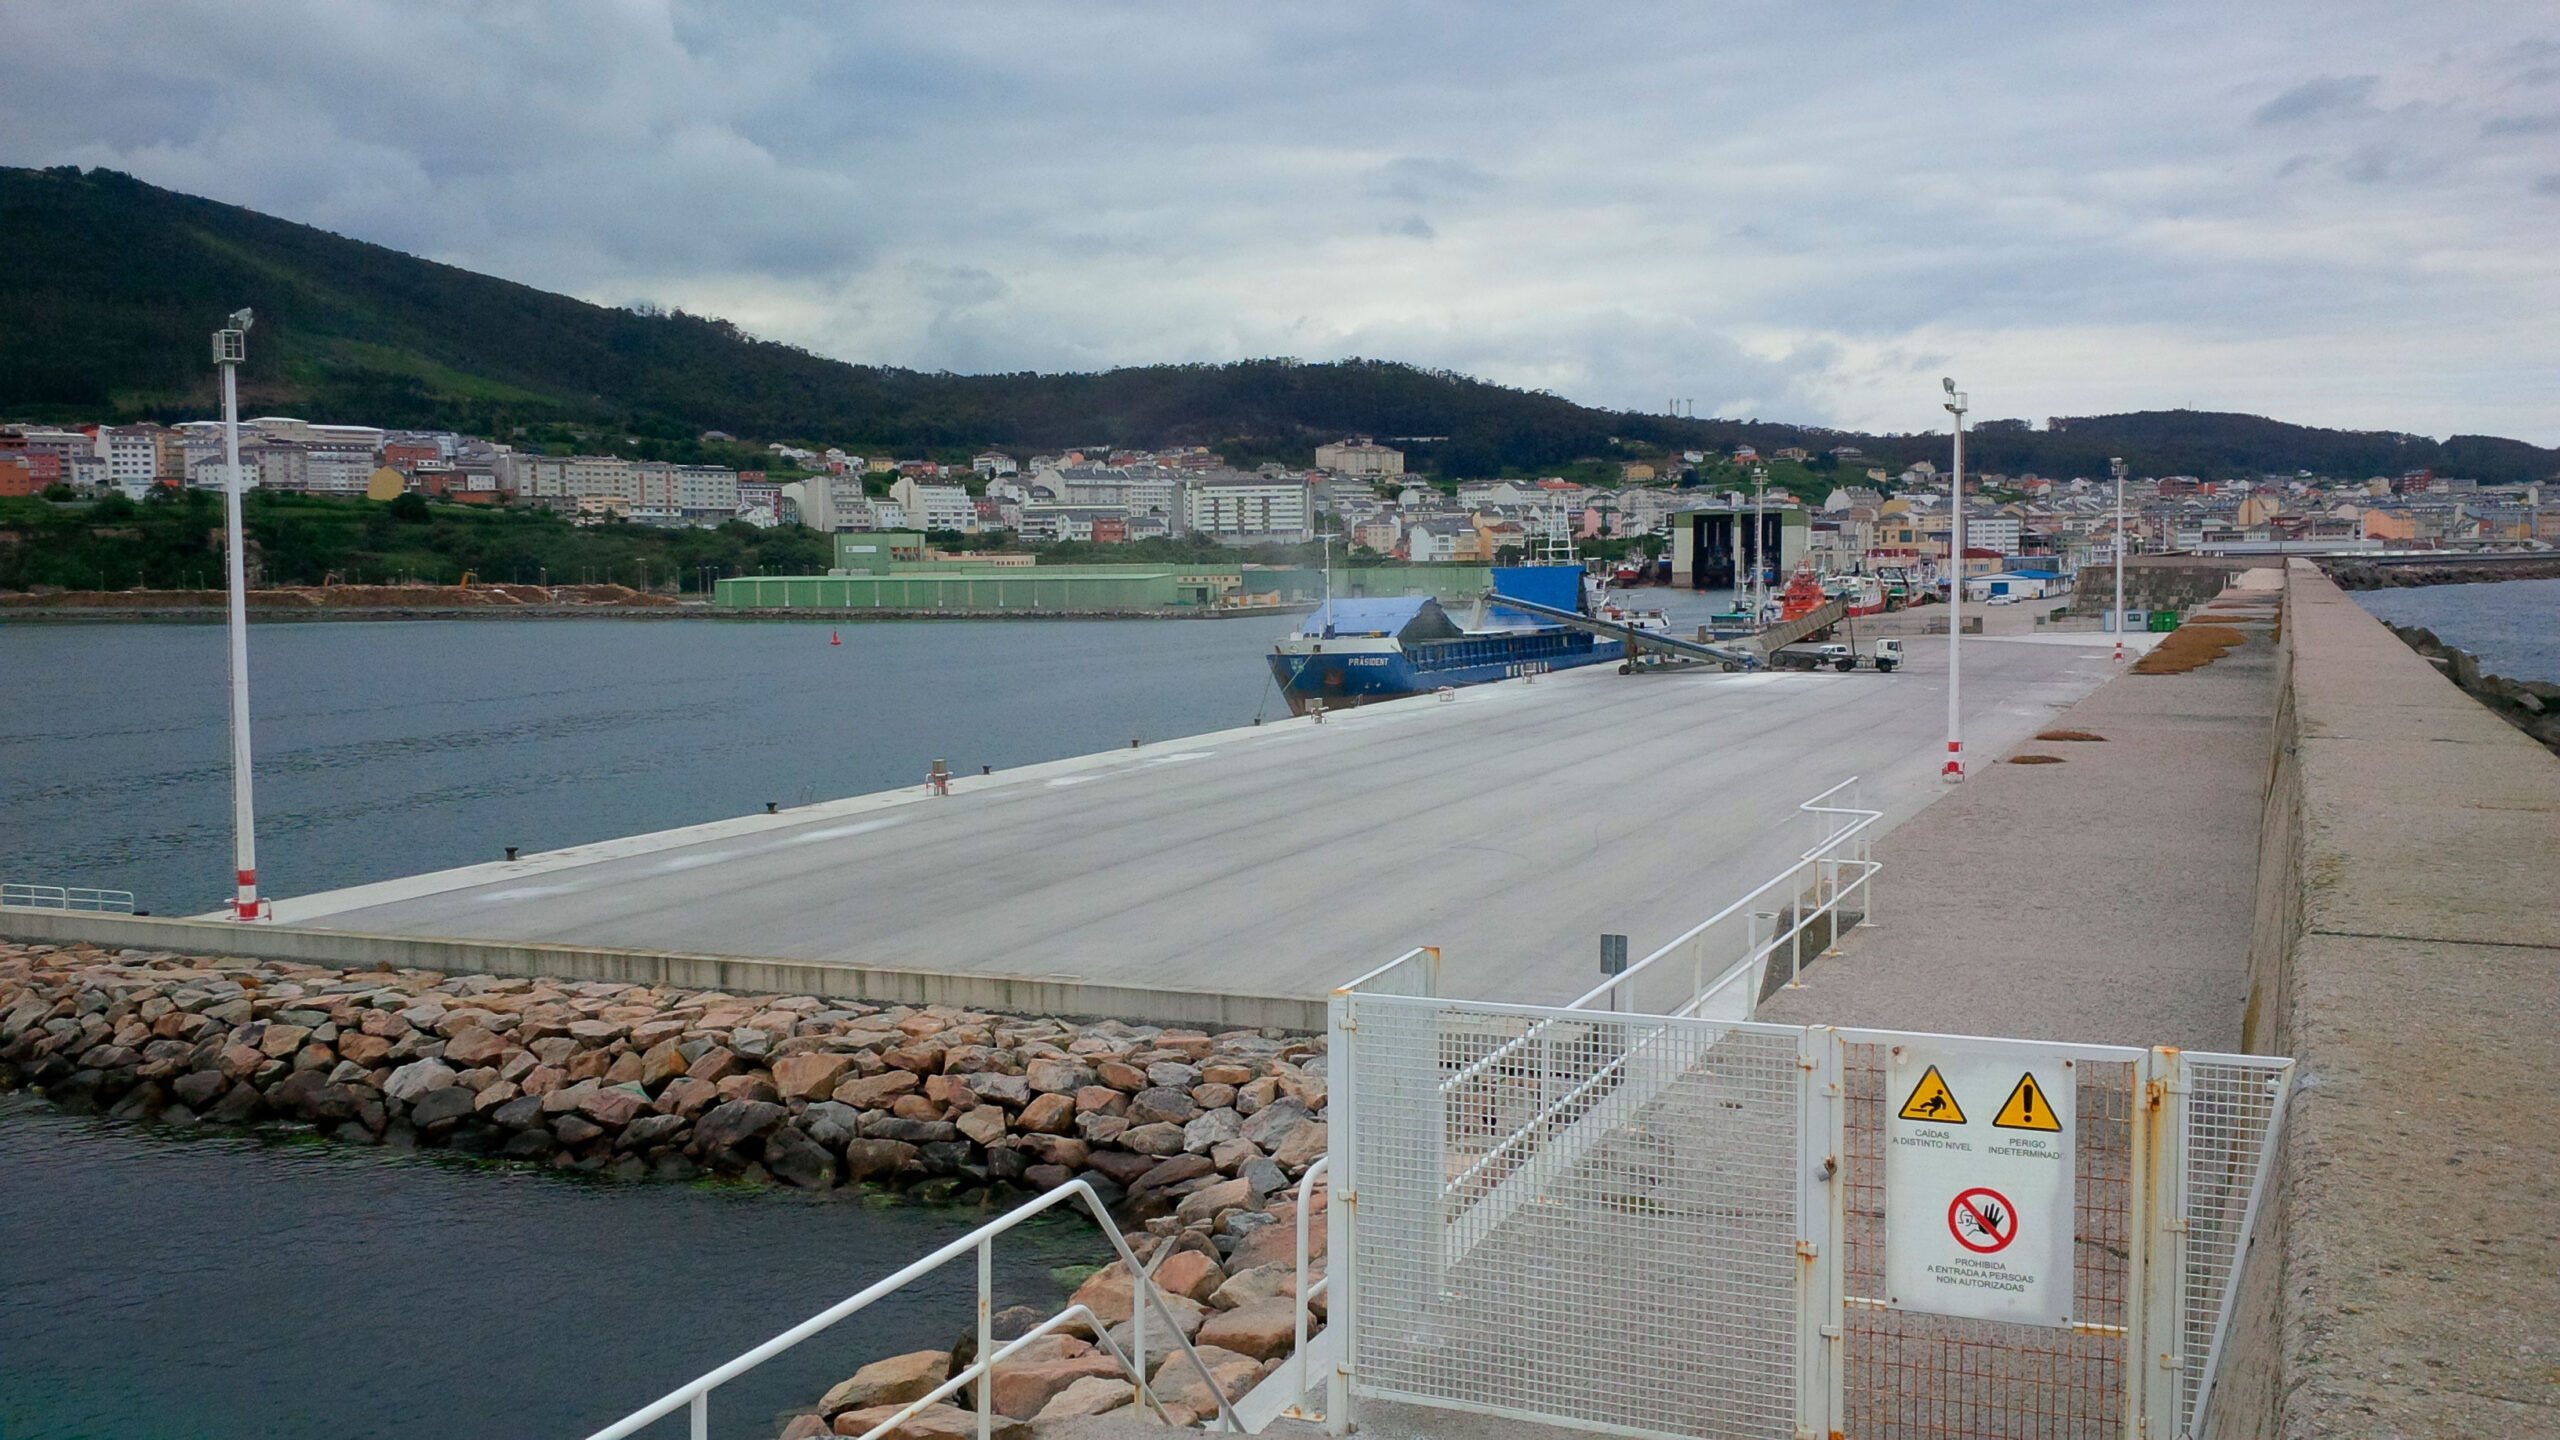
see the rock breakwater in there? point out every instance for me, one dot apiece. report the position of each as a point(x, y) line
point(634, 1082)
point(2532, 706)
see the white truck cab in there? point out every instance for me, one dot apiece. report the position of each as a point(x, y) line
point(1888, 654)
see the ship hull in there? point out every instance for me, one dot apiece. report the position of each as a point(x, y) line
point(1359, 672)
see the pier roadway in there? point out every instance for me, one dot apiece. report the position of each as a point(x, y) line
point(1509, 826)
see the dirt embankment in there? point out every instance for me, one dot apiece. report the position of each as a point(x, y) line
point(347, 597)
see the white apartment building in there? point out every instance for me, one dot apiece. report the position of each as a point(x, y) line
point(132, 453)
point(706, 490)
point(1239, 509)
point(935, 507)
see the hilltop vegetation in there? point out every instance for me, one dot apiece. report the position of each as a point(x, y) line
point(109, 287)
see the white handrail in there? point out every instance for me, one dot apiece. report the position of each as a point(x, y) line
point(696, 1393)
point(72, 897)
point(1305, 1296)
point(1830, 839)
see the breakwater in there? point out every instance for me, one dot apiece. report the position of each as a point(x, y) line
point(2397, 572)
point(636, 1083)
point(2532, 706)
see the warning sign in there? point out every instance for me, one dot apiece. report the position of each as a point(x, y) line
point(1932, 1100)
point(2027, 1109)
point(1978, 1207)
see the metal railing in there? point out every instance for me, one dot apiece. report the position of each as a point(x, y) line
point(1830, 873)
point(68, 897)
point(696, 1393)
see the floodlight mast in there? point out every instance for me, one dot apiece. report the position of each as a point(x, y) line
point(2117, 465)
point(230, 348)
point(1954, 772)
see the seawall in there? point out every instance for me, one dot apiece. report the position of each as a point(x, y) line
point(2405, 1279)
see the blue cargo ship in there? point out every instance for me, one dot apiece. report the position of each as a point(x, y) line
point(1350, 652)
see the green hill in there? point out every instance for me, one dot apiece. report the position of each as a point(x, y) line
point(109, 288)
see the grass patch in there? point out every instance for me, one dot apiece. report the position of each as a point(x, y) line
point(2067, 735)
point(2035, 759)
point(2189, 647)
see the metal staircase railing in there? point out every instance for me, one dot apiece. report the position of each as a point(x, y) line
point(696, 1393)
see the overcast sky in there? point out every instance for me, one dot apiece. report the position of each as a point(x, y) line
point(2337, 212)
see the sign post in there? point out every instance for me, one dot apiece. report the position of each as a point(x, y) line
point(1979, 1187)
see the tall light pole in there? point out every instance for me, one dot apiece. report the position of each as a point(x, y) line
point(230, 347)
point(2117, 465)
point(1759, 540)
point(1954, 771)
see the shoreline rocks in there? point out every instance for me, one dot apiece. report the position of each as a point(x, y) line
point(2532, 706)
point(633, 1082)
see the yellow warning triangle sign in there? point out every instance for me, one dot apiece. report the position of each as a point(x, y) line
point(1932, 1100)
point(2027, 1108)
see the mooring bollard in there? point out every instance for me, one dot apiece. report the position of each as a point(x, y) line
point(938, 779)
point(511, 852)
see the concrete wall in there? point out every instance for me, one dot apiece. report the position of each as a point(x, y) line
point(739, 974)
point(2406, 1277)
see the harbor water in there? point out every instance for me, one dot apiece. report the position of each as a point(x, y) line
point(2512, 625)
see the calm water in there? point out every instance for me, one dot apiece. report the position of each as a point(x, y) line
point(385, 749)
point(220, 1287)
point(2512, 625)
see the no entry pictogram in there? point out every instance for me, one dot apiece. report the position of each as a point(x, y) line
point(1982, 1220)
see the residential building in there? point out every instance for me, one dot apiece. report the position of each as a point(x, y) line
point(1362, 456)
point(1240, 509)
point(935, 507)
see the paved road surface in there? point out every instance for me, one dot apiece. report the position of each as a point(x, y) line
point(1510, 827)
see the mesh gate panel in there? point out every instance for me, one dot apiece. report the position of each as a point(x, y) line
point(1910, 1376)
point(1580, 1217)
point(2232, 1102)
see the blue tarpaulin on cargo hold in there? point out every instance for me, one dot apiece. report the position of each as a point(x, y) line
point(1558, 587)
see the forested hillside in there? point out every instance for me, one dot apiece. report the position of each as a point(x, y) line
point(109, 287)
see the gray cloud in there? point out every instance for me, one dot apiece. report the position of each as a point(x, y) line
point(2314, 99)
point(2085, 209)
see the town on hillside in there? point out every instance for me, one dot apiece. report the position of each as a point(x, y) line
point(1855, 518)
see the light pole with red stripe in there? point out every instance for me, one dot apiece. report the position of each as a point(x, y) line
point(1954, 771)
point(230, 348)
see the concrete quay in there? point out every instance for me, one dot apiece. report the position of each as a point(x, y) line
point(1228, 879)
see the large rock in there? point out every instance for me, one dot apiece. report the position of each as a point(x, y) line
point(1122, 1166)
point(876, 1091)
point(417, 1078)
point(1048, 1114)
point(198, 1089)
point(1120, 1076)
point(614, 1108)
point(1191, 1275)
point(1277, 1244)
point(1172, 1171)
point(1159, 1139)
point(1304, 1145)
point(1262, 1282)
point(893, 1381)
point(1064, 1151)
point(473, 1047)
point(1212, 1128)
point(934, 1422)
point(1011, 1091)
point(1021, 1390)
point(832, 1124)
point(1162, 1104)
point(984, 1124)
point(728, 1126)
point(445, 1107)
point(795, 1159)
point(1106, 1293)
point(1267, 1126)
point(1052, 1076)
point(810, 1076)
point(1092, 1395)
point(661, 1063)
point(864, 1159)
point(1204, 1204)
point(1261, 1329)
point(1179, 1382)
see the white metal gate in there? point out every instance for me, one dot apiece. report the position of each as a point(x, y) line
point(1673, 1226)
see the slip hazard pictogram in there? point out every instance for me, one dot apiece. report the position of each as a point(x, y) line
point(1983, 1220)
point(1932, 1100)
point(2027, 1109)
